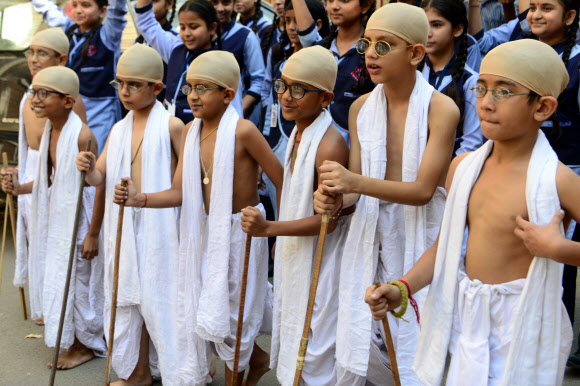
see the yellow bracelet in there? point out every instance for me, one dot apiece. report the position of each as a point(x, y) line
point(404, 301)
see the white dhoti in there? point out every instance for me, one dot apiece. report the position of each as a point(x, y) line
point(256, 290)
point(482, 330)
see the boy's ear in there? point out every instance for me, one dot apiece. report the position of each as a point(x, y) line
point(229, 95)
point(546, 107)
point(62, 59)
point(157, 87)
point(327, 98)
point(417, 54)
point(69, 101)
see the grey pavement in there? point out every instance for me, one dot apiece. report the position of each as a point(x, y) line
point(23, 360)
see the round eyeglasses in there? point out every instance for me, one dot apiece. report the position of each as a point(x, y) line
point(382, 48)
point(296, 91)
point(133, 88)
point(498, 93)
point(199, 89)
point(40, 55)
point(41, 93)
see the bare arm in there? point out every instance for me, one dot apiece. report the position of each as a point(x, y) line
point(474, 17)
point(80, 110)
point(443, 119)
point(96, 169)
point(333, 147)
point(303, 17)
point(523, 5)
point(548, 241)
point(169, 198)
point(387, 297)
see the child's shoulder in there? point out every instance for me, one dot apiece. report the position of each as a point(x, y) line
point(358, 103)
point(442, 109)
point(175, 124)
point(332, 147)
point(85, 135)
point(246, 130)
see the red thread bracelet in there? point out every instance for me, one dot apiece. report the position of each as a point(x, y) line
point(412, 301)
point(145, 204)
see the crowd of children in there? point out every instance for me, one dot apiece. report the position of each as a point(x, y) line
point(415, 134)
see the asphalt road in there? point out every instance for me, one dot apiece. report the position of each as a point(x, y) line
point(23, 360)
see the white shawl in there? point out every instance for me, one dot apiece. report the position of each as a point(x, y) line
point(151, 280)
point(203, 301)
point(359, 261)
point(52, 226)
point(293, 270)
point(539, 349)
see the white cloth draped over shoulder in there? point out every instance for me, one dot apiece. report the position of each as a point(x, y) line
point(542, 334)
point(204, 310)
point(27, 167)
point(52, 225)
point(359, 262)
point(149, 280)
point(295, 254)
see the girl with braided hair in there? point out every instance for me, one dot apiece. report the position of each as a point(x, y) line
point(446, 69)
point(251, 15)
point(161, 8)
point(348, 18)
point(95, 47)
point(271, 35)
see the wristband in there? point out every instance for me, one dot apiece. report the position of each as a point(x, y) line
point(405, 298)
point(413, 301)
point(337, 214)
point(145, 204)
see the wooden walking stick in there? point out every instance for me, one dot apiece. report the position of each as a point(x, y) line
point(115, 288)
point(9, 211)
point(68, 273)
point(312, 296)
point(241, 310)
point(390, 347)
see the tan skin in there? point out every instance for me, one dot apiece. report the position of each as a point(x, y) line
point(442, 121)
point(141, 104)
point(332, 147)
point(251, 151)
point(56, 108)
point(501, 217)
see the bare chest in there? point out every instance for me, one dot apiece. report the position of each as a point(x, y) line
point(396, 119)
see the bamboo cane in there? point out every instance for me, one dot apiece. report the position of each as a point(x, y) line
point(241, 310)
point(313, 287)
point(390, 347)
point(115, 289)
point(9, 210)
point(68, 273)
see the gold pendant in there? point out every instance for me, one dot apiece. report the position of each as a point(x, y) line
point(206, 181)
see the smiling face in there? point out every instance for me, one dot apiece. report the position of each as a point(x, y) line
point(194, 31)
point(87, 14)
point(54, 105)
point(303, 111)
point(548, 21)
point(442, 35)
point(224, 10)
point(497, 117)
point(42, 57)
point(278, 7)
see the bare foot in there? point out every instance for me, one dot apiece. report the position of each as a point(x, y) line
point(76, 355)
point(212, 366)
point(259, 365)
point(134, 381)
point(39, 322)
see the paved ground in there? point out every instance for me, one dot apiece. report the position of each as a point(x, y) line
point(23, 361)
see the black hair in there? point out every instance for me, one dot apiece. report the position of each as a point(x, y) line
point(257, 14)
point(70, 31)
point(359, 86)
point(206, 11)
point(173, 8)
point(269, 35)
point(318, 12)
point(454, 11)
point(570, 5)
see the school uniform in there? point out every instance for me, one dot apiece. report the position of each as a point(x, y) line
point(513, 30)
point(100, 99)
point(469, 136)
point(349, 72)
point(261, 25)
